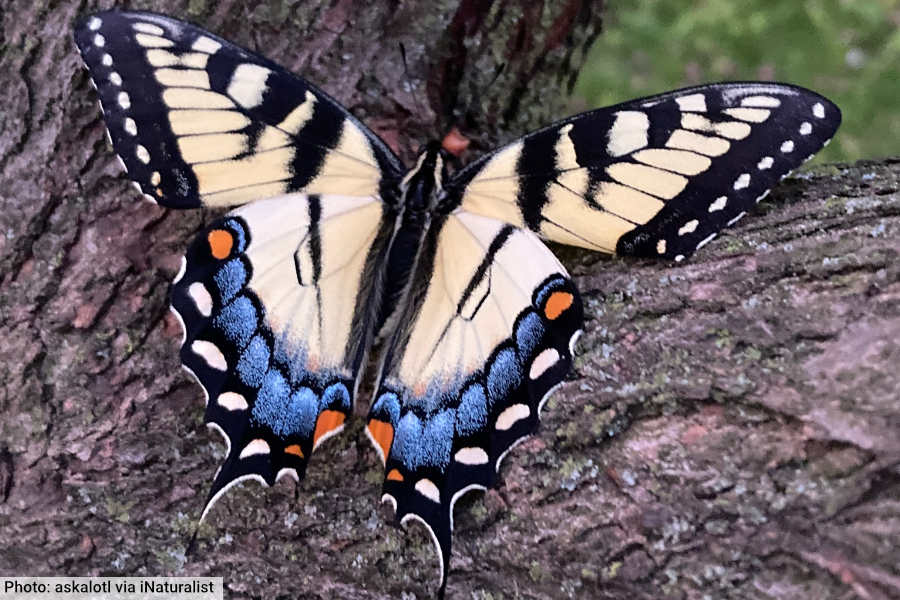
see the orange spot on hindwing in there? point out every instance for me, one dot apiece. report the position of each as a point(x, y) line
point(220, 243)
point(383, 434)
point(295, 450)
point(395, 475)
point(557, 304)
point(328, 421)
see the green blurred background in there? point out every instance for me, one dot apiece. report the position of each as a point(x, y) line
point(847, 50)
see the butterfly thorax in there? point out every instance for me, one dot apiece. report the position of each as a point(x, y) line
point(421, 190)
point(422, 187)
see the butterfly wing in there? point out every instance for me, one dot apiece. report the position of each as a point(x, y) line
point(198, 121)
point(658, 176)
point(277, 301)
point(487, 334)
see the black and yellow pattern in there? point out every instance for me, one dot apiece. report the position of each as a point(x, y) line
point(198, 121)
point(658, 176)
point(338, 246)
point(279, 363)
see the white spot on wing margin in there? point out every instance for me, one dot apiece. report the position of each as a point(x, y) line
point(180, 322)
point(736, 218)
point(547, 397)
point(706, 240)
point(572, 341)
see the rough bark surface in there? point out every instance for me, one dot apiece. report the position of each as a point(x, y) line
point(730, 430)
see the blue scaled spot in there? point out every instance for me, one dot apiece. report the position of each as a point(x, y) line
point(555, 284)
point(239, 233)
point(529, 333)
point(271, 403)
point(303, 412)
point(335, 397)
point(504, 375)
point(387, 408)
point(437, 440)
point(406, 441)
point(231, 278)
point(282, 411)
point(254, 362)
point(472, 412)
point(237, 321)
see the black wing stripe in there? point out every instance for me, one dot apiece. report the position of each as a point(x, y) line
point(197, 120)
point(656, 176)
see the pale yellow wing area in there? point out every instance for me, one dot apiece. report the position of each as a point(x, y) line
point(484, 275)
point(309, 258)
point(572, 209)
point(197, 120)
point(657, 176)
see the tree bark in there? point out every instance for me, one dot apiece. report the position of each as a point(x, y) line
point(730, 430)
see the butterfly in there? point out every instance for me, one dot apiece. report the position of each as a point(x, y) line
point(336, 256)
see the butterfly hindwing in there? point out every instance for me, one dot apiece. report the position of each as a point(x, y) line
point(658, 176)
point(197, 120)
point(277, 304)
point(488, 333)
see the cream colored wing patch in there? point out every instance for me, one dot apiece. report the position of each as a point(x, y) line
point(199, 121)
point(658, 176)
point(306, 270)
point(462, 320)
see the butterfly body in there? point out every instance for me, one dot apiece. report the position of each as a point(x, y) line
point(333, 250)
point(419, 193)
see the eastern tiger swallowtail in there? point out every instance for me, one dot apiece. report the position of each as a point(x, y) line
point(335, 245)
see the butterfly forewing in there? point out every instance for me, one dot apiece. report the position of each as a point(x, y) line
point(653, 177)
point(197, 120)
point(278, 304)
